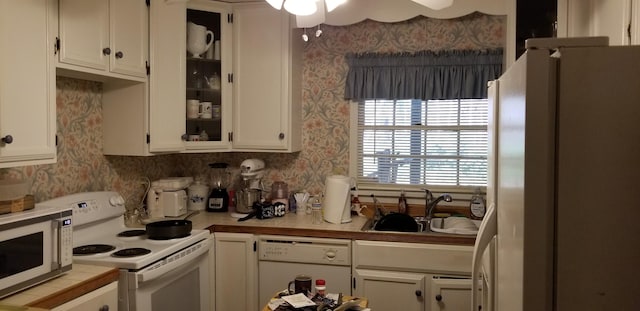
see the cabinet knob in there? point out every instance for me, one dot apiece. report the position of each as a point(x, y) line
point(281, 136)
point(119, 54)
point(104, 308)
point(7, 139)
point(106, 51)
point(438, 297)
point(418, 293)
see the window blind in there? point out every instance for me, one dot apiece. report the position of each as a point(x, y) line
point(414, 142)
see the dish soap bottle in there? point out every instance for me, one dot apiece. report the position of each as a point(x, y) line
point(477, 206)
point(402, 203)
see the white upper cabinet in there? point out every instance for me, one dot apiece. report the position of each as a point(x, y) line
point(616, 19)
point(104, 38)
point(27, 84)
point(267, 75)
point(178, 78)
point(167, 29)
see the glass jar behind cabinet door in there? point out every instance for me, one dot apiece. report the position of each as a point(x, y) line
point(204, 70)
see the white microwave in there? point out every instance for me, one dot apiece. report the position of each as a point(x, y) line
point(35, 245)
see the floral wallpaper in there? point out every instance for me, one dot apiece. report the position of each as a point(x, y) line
point(82, 167)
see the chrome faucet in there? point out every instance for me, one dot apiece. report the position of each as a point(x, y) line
point(431, 203)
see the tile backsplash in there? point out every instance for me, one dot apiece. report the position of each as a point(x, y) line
point(81, 165)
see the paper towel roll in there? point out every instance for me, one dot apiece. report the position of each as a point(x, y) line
point(337, 201)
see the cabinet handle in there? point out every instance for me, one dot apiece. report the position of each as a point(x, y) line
point(104, 308)
point(281, 136)
point(106, 51)
point(438, 297)
point(7, 139)
point(119, 54)
point(418, 292)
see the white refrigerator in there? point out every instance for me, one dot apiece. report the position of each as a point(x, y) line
point(562, 231)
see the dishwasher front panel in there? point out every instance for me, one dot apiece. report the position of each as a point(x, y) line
point(275, 276)
point(281, 258)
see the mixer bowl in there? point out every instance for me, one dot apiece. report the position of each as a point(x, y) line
point(245, 199)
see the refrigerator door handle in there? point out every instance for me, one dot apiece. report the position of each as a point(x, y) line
point(488, 229)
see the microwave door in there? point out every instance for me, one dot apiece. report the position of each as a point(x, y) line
point(33, 249)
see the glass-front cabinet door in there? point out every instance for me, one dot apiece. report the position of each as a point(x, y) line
point(207, 70)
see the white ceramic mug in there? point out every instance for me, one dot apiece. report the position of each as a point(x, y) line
point(205, 110)
point(194, 137)
point(193, 108)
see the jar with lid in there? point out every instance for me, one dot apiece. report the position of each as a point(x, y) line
point(280, 193)
point(321, 287)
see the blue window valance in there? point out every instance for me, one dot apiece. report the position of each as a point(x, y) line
point(425, 75)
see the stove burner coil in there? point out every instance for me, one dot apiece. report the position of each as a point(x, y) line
point(92, 249)
point(131, 252)
point(132, 233)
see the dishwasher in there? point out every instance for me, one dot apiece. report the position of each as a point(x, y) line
point(281, 258)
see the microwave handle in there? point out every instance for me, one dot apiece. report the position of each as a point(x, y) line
point(56, 260)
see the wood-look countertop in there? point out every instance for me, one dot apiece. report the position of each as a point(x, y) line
point(82, 279)
point(300, 225)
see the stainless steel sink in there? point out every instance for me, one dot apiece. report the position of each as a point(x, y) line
point(449, 225)
point(455, 225)
point(395, 223)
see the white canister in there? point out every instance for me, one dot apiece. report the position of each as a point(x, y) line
point(193, 108)
point(198, 194)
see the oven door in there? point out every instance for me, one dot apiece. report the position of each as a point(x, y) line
point(178, 282)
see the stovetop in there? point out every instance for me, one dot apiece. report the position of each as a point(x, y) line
point(152, 250)
point(98, 220)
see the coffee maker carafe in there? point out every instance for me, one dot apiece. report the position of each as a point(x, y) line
point(219, 198)
point(252, 172)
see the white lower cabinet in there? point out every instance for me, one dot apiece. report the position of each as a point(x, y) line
point(412, 276)
point(450, 294)
point(390, 290)
point(236, 281)
point(102, 299)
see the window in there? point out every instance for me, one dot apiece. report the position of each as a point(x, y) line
point(441, 143)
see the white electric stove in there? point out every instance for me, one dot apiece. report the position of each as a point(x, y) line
point(147, 266)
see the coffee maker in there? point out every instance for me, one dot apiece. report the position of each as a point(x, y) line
point(251, 172)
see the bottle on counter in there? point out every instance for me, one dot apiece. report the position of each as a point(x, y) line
point(477, 206)
point(402, 203)
point(280, 193)
point(355, 203)
point(321, 288)
point(316, 211)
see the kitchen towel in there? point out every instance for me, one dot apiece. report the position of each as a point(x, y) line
point(337, 201)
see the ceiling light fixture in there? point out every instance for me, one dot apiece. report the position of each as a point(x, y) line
point(305, 37)
point(434, 4)
point(305, 7)
point(318, 32)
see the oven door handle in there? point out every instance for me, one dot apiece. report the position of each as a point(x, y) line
point(170, 263)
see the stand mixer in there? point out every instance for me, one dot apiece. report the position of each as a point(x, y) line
point(252, 172)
